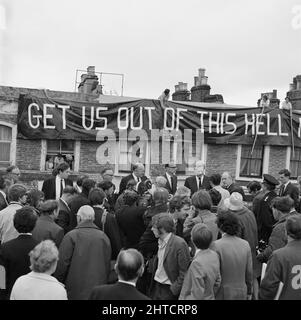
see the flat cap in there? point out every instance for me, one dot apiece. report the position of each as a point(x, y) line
point(270, 179)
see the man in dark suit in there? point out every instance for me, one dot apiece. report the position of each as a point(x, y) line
point(80, 200)
point(14, 253)
point(13, 174)
point(228, 184)
point(65, 217)
point(172, 260)
point(3, 191)
point(131, 215)
point(129, 267)
point(180, 208)
point(137, 175)
point(172, 179)
point(84, 257)
point(108, 175)
point(263, 211)
point(53, 187)
point(287, 188)
point(199, 180)
point(46, 228)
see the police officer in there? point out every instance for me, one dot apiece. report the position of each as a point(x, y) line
point(263, 212)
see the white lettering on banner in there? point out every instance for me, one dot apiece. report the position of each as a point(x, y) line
point(202, 119)
point(222, 122)
point(296, 281)
point(214, 122)
point(285, 134)
point(269, 133)
point(179, 110)
point(48, 116)
point(140, 119)
point(84, 118)
point(150, 122)
point(123, 124)
point(250, 123)
point(230, 123)
point(64, 108)
point(98, 117)
point(172, 118)
point(259, 123)
point(31, 116)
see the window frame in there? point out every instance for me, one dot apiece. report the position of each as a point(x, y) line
point(44, 152)
point(265, 164)
point(13, 143)
point(288, 162)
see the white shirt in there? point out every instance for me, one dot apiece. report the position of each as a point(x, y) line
point(264, 103)
point(285, 105)
point(285, 186)
point(160, 275)
point(198, 182)
point(65, 203)
point(169, 179)
point(136, 178)
point(38, 286)
point(58, 187)
point(128, 282)
point(4, 195)
point(7, 229)
point(224, 193)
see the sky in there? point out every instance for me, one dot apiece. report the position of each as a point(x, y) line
point(247, 47)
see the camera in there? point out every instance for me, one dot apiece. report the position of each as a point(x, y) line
point(261, 246)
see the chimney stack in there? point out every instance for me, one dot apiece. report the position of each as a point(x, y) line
point(201, 89)
point(274, 101)
point(292, 87)
point(298, 82)
point(295, 92)
point(181, 93)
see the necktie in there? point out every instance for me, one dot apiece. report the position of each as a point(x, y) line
point(200, 182)
point(62, 187)
point(281, 191)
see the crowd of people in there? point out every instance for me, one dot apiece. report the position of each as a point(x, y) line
point(83, 239)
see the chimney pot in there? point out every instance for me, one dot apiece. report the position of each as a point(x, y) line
point(298, 80)
point(204, 80)
point(196, 80)
point(202, 72)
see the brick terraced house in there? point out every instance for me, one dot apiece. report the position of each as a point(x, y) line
point(35, 155)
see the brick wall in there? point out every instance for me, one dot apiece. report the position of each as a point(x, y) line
point(8, 118)
point(87, 162)
point(221, 158)
point(28, 155)
point(277, 160)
